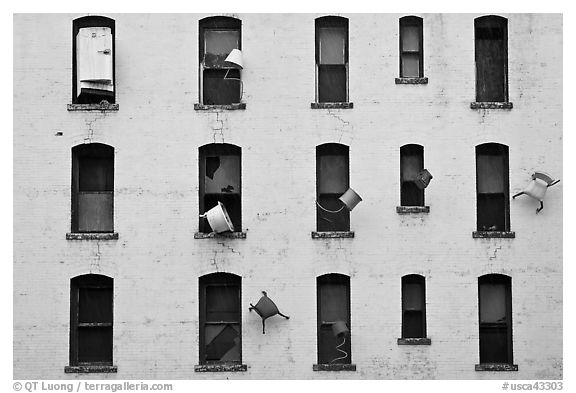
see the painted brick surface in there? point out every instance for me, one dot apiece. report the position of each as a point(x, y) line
point(156, 133)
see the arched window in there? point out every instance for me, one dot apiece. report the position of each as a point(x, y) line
point(92, 188)
point(331, 59)
point(495, 313)
point(411, 163)
point(220, 319)
point(492, 201)
point(220, 82)
point(413, 306)
point(333, 297)
point(332, 180)
point(491, 54)
point(91, 323)
point(93, 60)
point(220, 181)
point(411, 47)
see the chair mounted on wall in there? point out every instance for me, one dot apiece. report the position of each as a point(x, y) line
point(266, 308)
point(537, 188)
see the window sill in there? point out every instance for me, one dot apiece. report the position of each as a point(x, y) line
point(104, 107)
point(496, 367)
point(90, 369)
point(229, 107)
point(412, 209)
point(412, 81)
point(219, 368)
point(491, 105)
point(493, 235)
point(333, 235)
point(415, 341)
point(332, 105)
point(334, 367)
point(92, 236)
point(224, 235)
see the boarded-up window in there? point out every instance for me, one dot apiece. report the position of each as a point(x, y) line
point(491, 54)
point(220, 316)
point(413, 307)
point(220, 82)
point(220, 181)
point(92, 188)
point(91, 320)
point(495, 310)
point(492, 187)
point(411, 163)
point(332, 59)
point(411, 47)
point(93, 60)
point(332, 177)
point(333, 305)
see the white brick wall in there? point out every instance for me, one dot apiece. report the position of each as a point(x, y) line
point(156, 134)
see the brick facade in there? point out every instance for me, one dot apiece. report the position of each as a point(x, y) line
point(156, 260)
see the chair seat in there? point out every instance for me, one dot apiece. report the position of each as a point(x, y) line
point(537, 189)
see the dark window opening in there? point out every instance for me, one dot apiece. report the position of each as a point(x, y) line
point(91, 320)
point(333, 299)
point(220, 82)
point(220, 181)
point(491, 54)
point(93, 60)
point(220, 316)
point(332, 180)
point(493, 205)
point(413, 307)
point(92, 188)
point(411, 47)
point(411, 163)
point(495, 313)
point(332, 59)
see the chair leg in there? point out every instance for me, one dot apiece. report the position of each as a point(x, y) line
point(282, 315)
point(520, 193)
point(263, 326)
point(540, 208)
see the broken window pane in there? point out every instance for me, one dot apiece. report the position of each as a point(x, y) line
point(332, 45)
point(218, 45)
point(222, 342)
point(224, 178)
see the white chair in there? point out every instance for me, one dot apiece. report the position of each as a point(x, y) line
point(537, 188)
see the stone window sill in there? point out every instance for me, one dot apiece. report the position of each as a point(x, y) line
point(415, 341)
point(224, 235)
point(334, 367)
point(412, 81)
point(92, 236)
point(412, 209)
point(228, 107)
point(491, 105)
point(332, 105)
point(493, 235)
point(90, 369)
point(219, 368)
point(333, 235)
point(104, 107)
point(496, 367)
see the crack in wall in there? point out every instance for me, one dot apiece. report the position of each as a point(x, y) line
point(345, 127)
point(95, 264)
point(218, 129)
point(213, 261)
point(229, 248)
point(495, 252)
